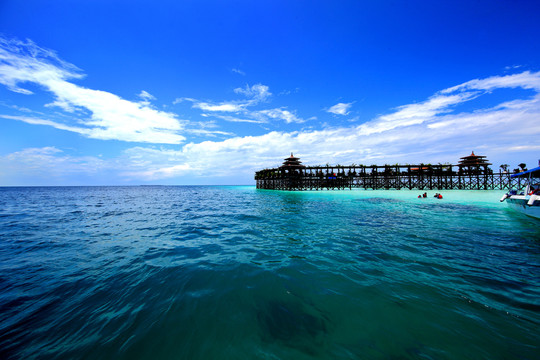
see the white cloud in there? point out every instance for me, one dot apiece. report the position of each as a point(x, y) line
point(340, 109)
point(414, 114)
point(37, 121)
point(239, 119)
point(103, 115)
point(524, 80)
point(183, 99)
point(146, 96)
point(257, 92)
point(209, 133)
point(223, 107)
point(34, 166)
point(280, 114)
point(238, 72)
point(111, 116)
point(22, 62)
point(431, 111)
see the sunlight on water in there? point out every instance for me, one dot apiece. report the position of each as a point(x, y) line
point(235, 272)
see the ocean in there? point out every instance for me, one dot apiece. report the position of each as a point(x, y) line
point(217, 272)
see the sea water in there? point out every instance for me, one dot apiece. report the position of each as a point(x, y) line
point(239, 273)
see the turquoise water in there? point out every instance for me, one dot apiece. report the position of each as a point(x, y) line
point(239, 273)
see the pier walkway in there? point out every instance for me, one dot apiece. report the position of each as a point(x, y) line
point(292, 175)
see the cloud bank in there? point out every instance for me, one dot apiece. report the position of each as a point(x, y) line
point(419, 132)
point(443, 127)
point(426, 131)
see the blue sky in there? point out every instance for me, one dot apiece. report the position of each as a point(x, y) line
point(207, 92)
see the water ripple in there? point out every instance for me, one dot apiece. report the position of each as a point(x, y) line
point(232, 272)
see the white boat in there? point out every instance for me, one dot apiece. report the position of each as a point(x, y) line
point(528, 200)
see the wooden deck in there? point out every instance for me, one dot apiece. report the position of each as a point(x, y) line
point(422, 177)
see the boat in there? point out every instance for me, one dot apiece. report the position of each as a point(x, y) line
point(528, 200)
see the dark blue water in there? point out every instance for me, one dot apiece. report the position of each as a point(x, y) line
point(240, 273)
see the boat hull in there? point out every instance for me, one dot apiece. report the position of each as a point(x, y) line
point(520, 203)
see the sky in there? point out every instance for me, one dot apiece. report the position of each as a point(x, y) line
point(97, 92)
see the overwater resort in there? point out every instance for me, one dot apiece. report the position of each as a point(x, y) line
point(217, 180)
point(471, 173)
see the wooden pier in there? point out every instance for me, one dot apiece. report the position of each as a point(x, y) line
point(472, 173)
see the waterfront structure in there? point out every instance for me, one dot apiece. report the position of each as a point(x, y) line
point(473, 164)
point(292, 163)
point(471, 173)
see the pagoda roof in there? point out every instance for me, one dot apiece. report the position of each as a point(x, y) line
point(292, 161)
point(473, 156)
point(292, 157)
point(474, 160)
